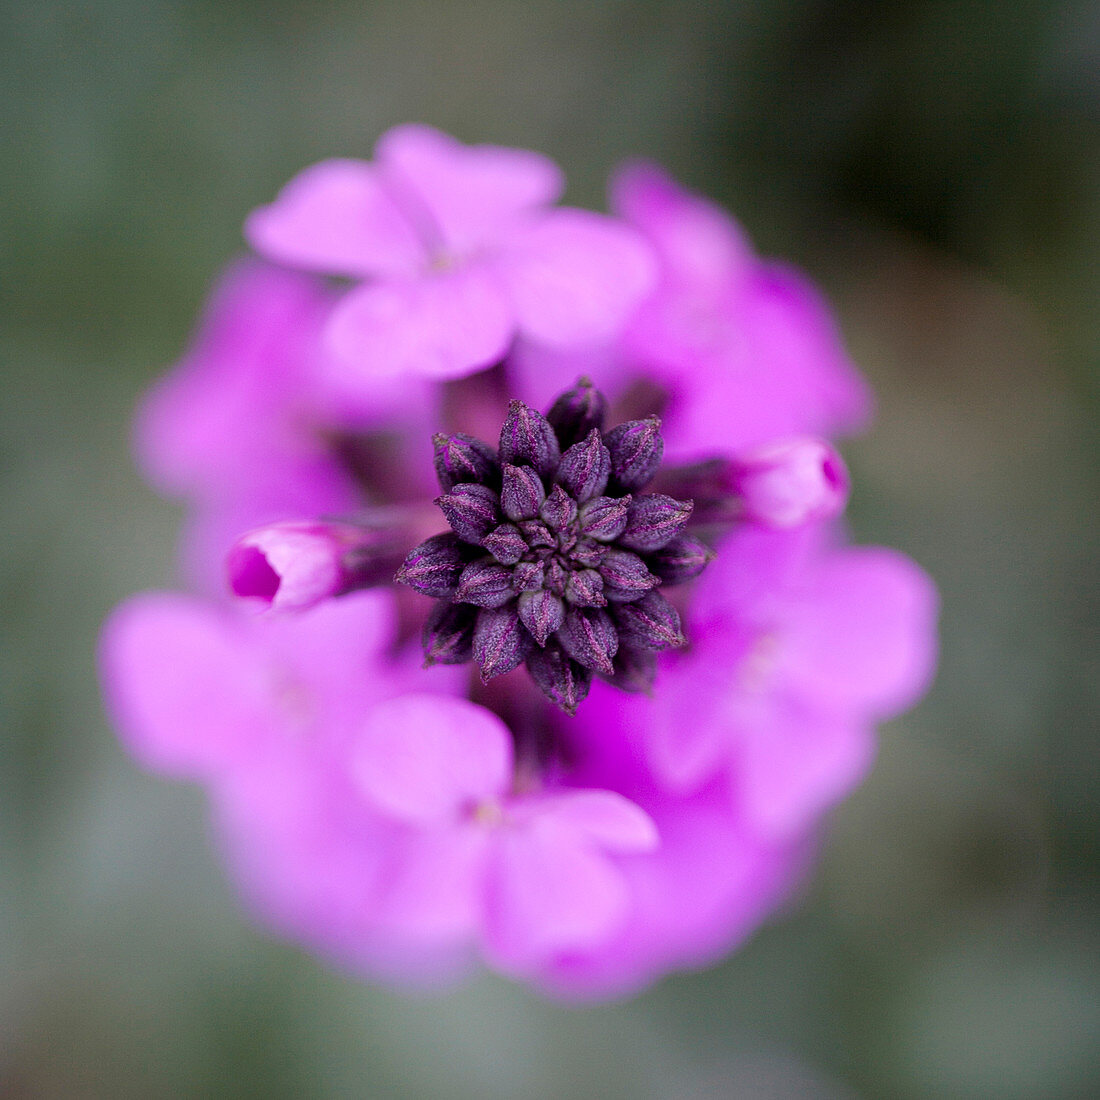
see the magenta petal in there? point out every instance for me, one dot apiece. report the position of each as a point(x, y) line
point(699, 243)
point(469, 192)
point(866, 636)
point(426, 759)
point(441, 326)
point(547, 895)
point(435, 892)
point(574, 276)
point(336, 217)
point(603, 818)
point(797, 766)
point(184, 686)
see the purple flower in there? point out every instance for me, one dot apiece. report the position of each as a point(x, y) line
point(247, 428)
point(799, 647)
point(457, 251)
point(679, 661)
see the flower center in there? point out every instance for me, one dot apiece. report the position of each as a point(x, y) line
point(555, 554)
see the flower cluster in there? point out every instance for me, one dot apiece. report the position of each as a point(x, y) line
point(586, 734)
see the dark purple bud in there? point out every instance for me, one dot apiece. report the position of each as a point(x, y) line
point(651, 622)
point(588, 635)
point(625, 576)
point(448, 635)
point(680, 560)
point(589, 553)
point(556, 578)
point(460, 457)
point(528, 438)
point(542, 613)
point(635, 669)
point(558, 510)
point(564, 682)
point(585, 467)
point(500, 642)
point(577, 412)
point(636, 448)
point(505, 543)
point(536, 533)
point(521, 492)
point(485, 583)
point(433, 567)
point(528, 575)
point(471, 510)
point(605, 518)
point(584, 588)
point(653, 521)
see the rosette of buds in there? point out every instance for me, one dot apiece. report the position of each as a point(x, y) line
point(557, 558)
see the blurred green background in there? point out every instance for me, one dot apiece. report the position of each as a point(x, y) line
point(936, 166)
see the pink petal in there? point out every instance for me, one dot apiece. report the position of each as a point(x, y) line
point(602, 818)
point(441, 326)
point(183, 685)
point(336, 217)
point(467, 193)
point(426, 759)
point(575, 276)
point(791, 770)
point(865, 638)
point(436, 888)
point(697, 241)
point(547, 895)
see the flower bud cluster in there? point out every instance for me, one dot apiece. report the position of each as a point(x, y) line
point(556, 554)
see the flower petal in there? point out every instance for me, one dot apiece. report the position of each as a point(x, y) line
point(468, 191)
point(699, 243)
point(865, 636)
point(424, 759)
point(547, 894)
point(183, 685)
point(799, 765)
point(574, 276)
point(603, 818)
point(337, 217)
point(441, 326)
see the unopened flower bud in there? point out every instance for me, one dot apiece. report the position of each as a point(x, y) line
point(584, 588)
point(636, 448)
point(542, 613)
point(654, 520)
point(293, 566)
point(577, 411)
point(521, 492)
point(604, 518)
point(505, 543)
point(471, 510)
point(651, 622)
point(527, 437)
point(433, 567)
point(485, 584)
point(559, 509)
point(461, 458)
point(561, 679)
point(448, 635)
point(625, 576)
point(680, 560)
point(501, 642)
point(585, 467)
point(788, 484)
point(588, 635)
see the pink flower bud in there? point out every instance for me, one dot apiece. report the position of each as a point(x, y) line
point(791, 483)
point(293, 566)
